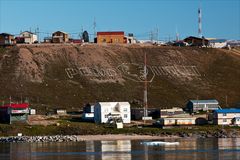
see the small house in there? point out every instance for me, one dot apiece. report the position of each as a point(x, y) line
point(196, 41)
point(110, 37)
point(60, 37)
point(29, 37)
point(107, 112)
point(202, 105)
point(14, 113)
point(226, 116)
point(6, 39)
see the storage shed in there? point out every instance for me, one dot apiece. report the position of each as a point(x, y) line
point(14, 113)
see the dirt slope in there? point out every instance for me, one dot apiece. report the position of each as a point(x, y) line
point(71, 75)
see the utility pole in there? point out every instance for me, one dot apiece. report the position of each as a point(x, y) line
point(226, 101)
point(145, 86)
point(94, 27)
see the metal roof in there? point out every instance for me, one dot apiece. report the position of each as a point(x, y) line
point(15, 106)
point(210, 101)
point(111, 33)
point(231, 110)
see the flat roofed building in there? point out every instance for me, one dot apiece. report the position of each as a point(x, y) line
point(14, 112)
point(106, 111)
point(60, 37)
point(175, 121)
point(110, 37)
point(226, 116)
point(202, 105)
point(6, 39)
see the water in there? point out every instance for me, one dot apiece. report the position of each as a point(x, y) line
point(193, 149)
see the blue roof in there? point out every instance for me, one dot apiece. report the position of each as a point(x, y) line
point(205, 101)
point(231, 110)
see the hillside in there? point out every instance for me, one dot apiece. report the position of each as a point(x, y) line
point(69, 76)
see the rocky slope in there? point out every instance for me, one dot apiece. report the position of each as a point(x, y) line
point(71, 75)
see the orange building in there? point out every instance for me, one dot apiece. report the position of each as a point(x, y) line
point(111, 37)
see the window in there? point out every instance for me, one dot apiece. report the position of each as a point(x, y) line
point(224, 114)
point(224, 120)
point(125, 115)
point(125, 110)
point(106, 116)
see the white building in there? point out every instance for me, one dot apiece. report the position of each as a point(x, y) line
point(217, 43)
point(29, 37)
point(107, 111)
point(226, 117)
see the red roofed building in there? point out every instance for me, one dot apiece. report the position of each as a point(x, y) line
point(14, 112)
point(110, 37)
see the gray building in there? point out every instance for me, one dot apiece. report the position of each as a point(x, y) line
point(202, 105)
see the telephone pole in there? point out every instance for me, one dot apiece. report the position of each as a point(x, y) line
point(145, 86)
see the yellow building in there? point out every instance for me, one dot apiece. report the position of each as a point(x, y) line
point(111, 37)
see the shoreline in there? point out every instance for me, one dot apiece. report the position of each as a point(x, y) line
point(107, 137)
point(80, 138)
point(112, 137)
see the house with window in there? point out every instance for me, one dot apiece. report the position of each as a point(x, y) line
point(226, 116)
point(176, 121)
point(28, 37)
point(202, 105)
point(60, 37)
point(6, 39)
point(110, 37)
point(108, 112)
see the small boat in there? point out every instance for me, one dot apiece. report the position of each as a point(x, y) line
point(159, 143)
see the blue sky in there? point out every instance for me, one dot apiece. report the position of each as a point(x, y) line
point(221, 18)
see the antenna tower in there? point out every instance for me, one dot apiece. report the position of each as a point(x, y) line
point(199, 22)
point(94, 27)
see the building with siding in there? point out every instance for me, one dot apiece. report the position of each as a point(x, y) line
point(202, 105)
point(110, 37)
point(176, 121)
point(60, 37)
point(14, 113)
point(6, 39)
point(104, 112)
point(226, 116)
point(28, 37)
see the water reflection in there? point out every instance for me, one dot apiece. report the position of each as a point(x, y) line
point(194, 149)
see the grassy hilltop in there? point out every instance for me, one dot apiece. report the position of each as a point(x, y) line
point(70, 75)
